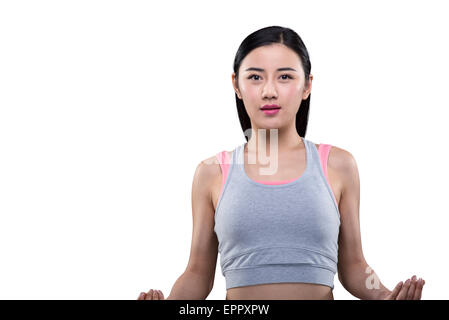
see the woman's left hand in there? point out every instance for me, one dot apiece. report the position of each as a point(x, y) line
point(410, 290)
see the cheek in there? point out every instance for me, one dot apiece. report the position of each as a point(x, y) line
point(292, 96)
point(251, 92)
point(292, 92)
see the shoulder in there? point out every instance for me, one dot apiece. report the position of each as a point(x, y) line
point(208, 171)
point(338, 157)
point(343, 163)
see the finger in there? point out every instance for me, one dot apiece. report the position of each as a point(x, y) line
point(411, 290)
point(155, 295)
point(141, 296)
point(395, 291)
point(403, 293)
point(418, 290)
point(149, 295)
point(161, 295)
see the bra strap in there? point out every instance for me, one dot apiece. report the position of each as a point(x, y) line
point(323, 151)
point(224, 160)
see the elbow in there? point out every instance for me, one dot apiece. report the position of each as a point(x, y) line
point(348, 271)
point(202, 280)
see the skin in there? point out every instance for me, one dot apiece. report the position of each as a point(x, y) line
point(288, 89)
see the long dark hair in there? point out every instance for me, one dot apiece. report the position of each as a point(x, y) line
point(267, 36)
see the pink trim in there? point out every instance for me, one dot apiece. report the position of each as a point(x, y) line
point(224, 160)
point(276, 182)
point(323, 151)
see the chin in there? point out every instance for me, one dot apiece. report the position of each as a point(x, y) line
point(269, 126)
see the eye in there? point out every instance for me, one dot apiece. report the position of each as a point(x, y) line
point(287, 76)
point(284, 75)
point(253, 75)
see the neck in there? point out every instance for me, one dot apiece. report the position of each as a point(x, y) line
point(274, 140)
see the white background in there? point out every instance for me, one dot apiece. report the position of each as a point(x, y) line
point(107, 107)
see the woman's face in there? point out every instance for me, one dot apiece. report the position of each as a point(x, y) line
point(270, 75)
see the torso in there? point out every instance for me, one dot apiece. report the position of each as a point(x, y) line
point(284, 291)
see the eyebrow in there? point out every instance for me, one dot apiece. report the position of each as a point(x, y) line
point(262, 70)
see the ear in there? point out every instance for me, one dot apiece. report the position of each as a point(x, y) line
point(234, 84)
point(308, 89)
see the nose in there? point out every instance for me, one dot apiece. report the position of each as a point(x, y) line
point(269, 90)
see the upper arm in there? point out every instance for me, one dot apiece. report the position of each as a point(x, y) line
point(349, 241)
point(204, 246)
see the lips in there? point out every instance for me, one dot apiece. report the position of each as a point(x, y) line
point(271, 112)
point(270, 107)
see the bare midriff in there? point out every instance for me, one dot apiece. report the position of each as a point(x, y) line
point(281, 291)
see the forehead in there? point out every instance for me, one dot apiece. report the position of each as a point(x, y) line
point(271, 57)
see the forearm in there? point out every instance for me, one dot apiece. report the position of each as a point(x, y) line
point(190, 286)
point(362, 282)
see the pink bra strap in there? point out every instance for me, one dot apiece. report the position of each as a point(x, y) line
point(224, 160)
point(324, 150)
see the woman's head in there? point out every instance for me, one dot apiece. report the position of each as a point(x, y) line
point(260, 78)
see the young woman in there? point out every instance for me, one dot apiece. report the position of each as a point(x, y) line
point(281, 235)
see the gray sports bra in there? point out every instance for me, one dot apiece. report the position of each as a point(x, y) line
point(277, 233)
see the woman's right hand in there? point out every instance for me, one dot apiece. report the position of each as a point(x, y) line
point(151, 295)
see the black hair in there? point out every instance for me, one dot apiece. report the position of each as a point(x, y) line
point(268, 36)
